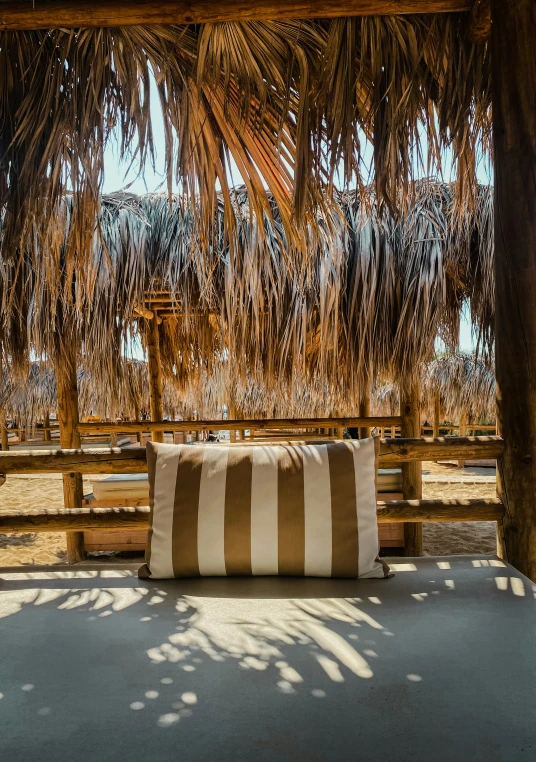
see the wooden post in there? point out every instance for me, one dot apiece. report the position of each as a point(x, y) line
point(364, 410)
point(155, 376)
point(513, 33)
point(4, 438)
point(232, 415)
point(4, 432)
point(437, 413)
point(47, 432)
point(137, 417)
point(73, 487)
point(462, 431)
point(410, 400)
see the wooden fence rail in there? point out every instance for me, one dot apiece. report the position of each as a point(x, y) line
point(87, 519)
point(131, 461)
point(134, 427)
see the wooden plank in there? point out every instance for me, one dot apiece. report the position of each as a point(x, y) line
point(410, 399)
point(135, 540)
point(133, 427)
point(154, 367)
point(393, 452)
point(513, 35)
point(89, 519)
point(34, 14)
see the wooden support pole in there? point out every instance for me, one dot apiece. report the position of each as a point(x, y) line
point(137, 417)
point(437, 413)
point(232, 415)
point(513, 61)
point(47, 432)
point(364, 412)
point(4, 438)
point(462, 431)
point(73, 488)
point(155, 376)
point(410, 402)
point(4, 432)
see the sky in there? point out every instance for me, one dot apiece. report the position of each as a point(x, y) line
point(116, 178)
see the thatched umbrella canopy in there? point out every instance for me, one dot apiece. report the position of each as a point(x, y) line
point(466, 386)
point(372, 295)
point(289, 102)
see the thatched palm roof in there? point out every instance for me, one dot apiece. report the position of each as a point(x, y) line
point(291, 103)
point(370, 298)
point(466, 385)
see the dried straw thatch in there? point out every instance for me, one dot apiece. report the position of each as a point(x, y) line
point(369, 302)
point(466, 386)
point(292, 103)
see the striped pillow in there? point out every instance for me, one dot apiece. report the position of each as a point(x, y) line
point(307, 510)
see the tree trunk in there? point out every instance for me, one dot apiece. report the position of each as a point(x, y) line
point(73, 488)
point(155, 376)
point(410, 399)
point(513, 35)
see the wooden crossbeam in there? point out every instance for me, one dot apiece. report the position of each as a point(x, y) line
point(102, 427)
point(87, 519)
point(131, 461)
point(36, 14)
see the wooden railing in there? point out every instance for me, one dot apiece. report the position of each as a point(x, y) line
point(87, 519)
point(114, 460)
point(134, 427)
point(131, 461)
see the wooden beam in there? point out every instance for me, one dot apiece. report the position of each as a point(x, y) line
point(410, 400)
point(68, 417)
point(141, 311)
point(154, 367)
point(110, 461)
point(412, 511)
point(442, 448)
point(133, 460)
point(513, 35)
point(4, 435)
point(87, 519)
point(240, 424)
point(36, 14)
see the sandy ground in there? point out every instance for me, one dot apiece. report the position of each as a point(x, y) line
point(470, 537)
point(26, 492)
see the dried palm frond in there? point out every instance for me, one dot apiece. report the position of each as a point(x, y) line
point(466, 386)
point(286, 103)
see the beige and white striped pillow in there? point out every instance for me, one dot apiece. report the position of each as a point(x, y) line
point(293, 510)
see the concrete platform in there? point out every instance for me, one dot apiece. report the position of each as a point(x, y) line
point(438, 663)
